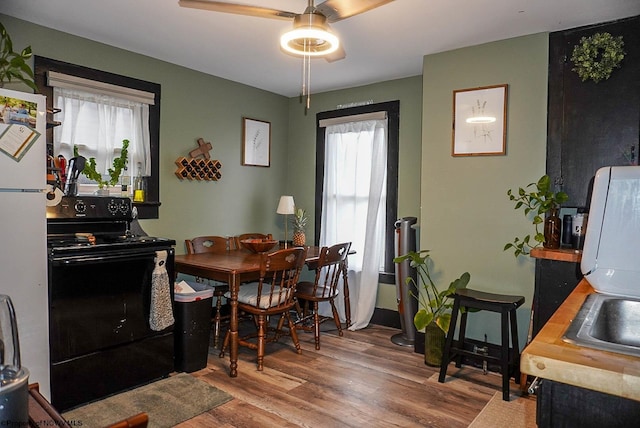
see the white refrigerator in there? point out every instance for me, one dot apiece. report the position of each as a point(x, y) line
point(23, 225)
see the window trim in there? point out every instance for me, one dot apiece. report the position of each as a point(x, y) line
point(392, 109)
point(150, 208)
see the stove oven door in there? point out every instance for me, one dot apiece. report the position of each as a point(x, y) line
point(100, 340)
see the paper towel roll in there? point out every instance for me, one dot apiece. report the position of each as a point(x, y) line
point(54, 197)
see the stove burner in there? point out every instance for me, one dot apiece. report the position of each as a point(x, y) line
point(89, 240)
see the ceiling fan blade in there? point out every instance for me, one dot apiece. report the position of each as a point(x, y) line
point(239, 9)
point(335, 10)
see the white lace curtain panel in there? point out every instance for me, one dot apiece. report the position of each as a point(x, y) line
point(353, 208)
point(97, 124)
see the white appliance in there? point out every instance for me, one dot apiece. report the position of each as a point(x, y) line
point(23, 227)
point(611, 255)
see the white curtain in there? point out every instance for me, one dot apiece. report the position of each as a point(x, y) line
point(97, 124)
point(353, 207)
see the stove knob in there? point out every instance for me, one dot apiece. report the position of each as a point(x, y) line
point(124, 208)
point(112, 207)
point(80, 207)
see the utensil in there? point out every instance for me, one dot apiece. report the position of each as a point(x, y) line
point(75, 167)
point(62, 161)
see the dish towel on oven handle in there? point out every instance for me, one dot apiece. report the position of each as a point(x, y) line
point(161, 311)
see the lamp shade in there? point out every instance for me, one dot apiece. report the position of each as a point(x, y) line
point(286, 205)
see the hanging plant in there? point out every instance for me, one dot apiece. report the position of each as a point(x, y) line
point(595, 57)
point(13, 65)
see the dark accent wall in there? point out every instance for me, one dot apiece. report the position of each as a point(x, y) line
point(590, 125)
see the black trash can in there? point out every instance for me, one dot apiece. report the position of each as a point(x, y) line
point(193, 327)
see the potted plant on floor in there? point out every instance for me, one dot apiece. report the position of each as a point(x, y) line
point(538, 202)
point(434, 306)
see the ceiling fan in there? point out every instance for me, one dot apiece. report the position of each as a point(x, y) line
point(313, 18)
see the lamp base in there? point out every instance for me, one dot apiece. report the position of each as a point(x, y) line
point(285, 244)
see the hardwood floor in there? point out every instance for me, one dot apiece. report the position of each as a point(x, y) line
point(360, 379)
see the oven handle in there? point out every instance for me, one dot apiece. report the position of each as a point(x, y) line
point(103, 258)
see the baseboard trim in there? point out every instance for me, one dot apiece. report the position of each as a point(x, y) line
point(386, 317)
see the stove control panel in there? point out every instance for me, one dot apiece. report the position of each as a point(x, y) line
point(91, 207)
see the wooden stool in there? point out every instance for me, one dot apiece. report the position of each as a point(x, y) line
point(506, 305)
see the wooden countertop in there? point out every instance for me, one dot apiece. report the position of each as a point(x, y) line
point(549, 357)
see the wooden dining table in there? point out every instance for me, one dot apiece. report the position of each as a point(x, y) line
point(236, 267)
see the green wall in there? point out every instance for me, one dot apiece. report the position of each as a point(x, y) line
point(466, 216)
point(199, 105)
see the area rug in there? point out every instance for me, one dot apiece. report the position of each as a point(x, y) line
point(167, 402)
point(518, 413)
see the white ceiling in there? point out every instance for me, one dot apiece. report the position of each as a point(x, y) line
point(382, 44)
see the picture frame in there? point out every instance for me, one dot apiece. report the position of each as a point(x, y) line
point(479, 121)
point(256, 142)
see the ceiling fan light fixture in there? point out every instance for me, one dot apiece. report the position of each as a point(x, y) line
point(310, 36)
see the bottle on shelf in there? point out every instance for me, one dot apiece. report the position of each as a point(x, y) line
point(125, 184)
point(552, 227)
point(139, 186)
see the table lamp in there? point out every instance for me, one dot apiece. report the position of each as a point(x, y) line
point(286, 206)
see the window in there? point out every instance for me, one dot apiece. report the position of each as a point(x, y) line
point(99, 110)
point(391, 109)
point(97, 124)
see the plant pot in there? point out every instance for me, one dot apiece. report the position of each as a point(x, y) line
point(434, 339)
point(104, 191)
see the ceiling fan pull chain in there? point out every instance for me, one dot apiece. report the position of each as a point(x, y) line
point(308, 58)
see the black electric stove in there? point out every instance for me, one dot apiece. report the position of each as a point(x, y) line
point(100, 282)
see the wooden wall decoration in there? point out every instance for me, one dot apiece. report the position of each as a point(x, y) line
point(199, 166)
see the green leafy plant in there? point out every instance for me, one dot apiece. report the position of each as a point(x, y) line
point(535, 203)
point(119, 164)
point(13, 65)
point(434, 305)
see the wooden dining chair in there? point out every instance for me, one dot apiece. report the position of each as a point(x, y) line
point(272, 295)
point(213, 244)
point(256, 235)
point(324, 288)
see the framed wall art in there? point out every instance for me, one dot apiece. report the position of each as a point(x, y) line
point(256, 142)
point(479, 121)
